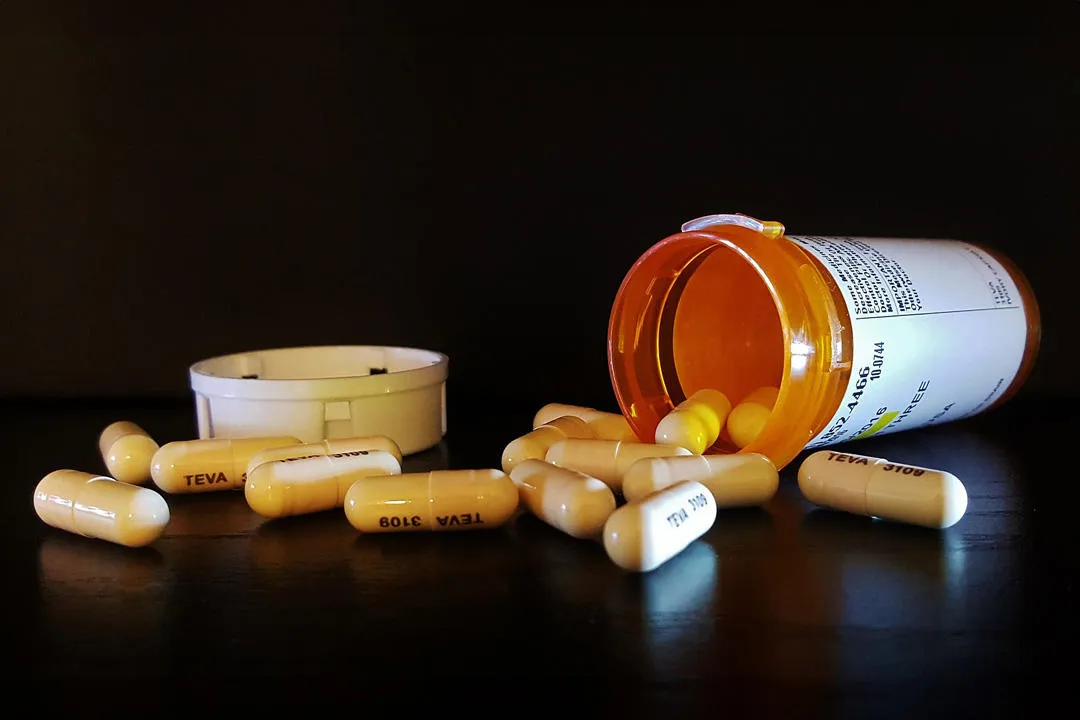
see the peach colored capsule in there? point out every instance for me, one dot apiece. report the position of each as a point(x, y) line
point(606, 460)
point(604, 425)
point(193, 466)
point(535, 444)
point(565, 499)
point(336, 446)
point(127, 451)
point(875, 487)
point(100, 507)
point(302, 485)
point(696, 422)
point(750, 416)
point(738, 480)
point(432, 501)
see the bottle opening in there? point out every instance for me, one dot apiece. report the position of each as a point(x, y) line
point(694, 313)
point(720, 330)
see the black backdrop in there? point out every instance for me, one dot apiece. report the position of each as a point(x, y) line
point(178, 191)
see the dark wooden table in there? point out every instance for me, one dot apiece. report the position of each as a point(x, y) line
point(785, 611)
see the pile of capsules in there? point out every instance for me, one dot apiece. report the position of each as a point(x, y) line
point(570, 471)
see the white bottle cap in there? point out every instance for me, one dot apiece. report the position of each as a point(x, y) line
point(319, 393)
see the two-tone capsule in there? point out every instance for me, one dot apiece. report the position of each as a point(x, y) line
point(565, 499)
point(606, 460)
point(432, 501)
point(695, 423)
point(97, 506)
point(127, 451)
point(604, 425)
point(302, 485)
point(535, 444)
point(336, 446)
point(749, 417)
point(641, 536)
point(193, 466)
point(879, 488)
point(738, 480)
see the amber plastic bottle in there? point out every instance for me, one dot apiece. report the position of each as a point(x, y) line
point(861, 336)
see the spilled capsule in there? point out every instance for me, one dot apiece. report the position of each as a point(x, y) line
point(738, 480)
point(880, 488)
point(535, 444)
point(302, 485)
point(100, 507)
point(336, 446)
point(604, 425)
point(127, 451)
point(643, 535)
point(565, 499)
point(606, 460)
point(193, 466)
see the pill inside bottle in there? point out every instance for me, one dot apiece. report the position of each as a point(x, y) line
point(298, 486)
point(127, 451)
point(643, 535)
point(606, 460)
point(604, 425)
point(736, 480)
point(433, 501)
point(535, 444)
point(194, 466)
point(565, 499)
point(858, 336)
point(100, 507)
point(336, 446)
point(751, 415)
point(695, 423)
point(880, 488)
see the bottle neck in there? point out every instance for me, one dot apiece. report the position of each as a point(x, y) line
point(730, 309)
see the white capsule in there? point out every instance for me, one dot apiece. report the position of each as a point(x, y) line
point(127, 451)
point(738, 480)
point(875, 487)
point(535, 444)
point(695, 423)
point(641, 536)
point(336, 446)
point(298, 486)
point(606, 460)
point(604, 425)
point(567, 500)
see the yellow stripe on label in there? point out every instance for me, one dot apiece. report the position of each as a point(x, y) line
point(881, 423)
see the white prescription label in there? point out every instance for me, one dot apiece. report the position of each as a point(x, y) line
point(938, 330)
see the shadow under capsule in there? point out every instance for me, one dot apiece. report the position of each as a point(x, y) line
point(302, 543)
point(422, 557)
point(72, 564)
point(211, 514)
point(741, 530)
point(434, 458)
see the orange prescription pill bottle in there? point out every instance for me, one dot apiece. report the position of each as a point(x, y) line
point(861, 336)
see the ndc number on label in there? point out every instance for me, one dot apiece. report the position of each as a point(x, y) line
point(866, 375)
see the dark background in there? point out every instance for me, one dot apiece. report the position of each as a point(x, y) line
point(180, 186)
point(184, 183)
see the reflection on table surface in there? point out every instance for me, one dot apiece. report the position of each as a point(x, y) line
point(787, 592)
